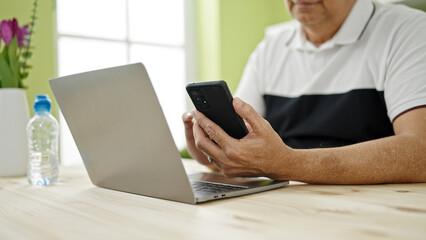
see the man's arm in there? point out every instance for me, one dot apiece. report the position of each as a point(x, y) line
point(399, 158)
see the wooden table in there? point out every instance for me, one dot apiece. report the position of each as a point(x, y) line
point(76, 209)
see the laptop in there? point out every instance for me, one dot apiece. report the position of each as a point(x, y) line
point(123, 138)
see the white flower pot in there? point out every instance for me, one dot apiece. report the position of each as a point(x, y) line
point(14, 117)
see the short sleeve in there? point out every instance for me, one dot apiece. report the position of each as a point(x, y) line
point(250, 86)
point(405, 83)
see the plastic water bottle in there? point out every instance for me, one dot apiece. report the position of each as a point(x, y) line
point(43, 134)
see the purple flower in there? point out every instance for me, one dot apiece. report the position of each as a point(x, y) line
point(6, 31)
point(14, 25)
point(10, 28)
point(21, 36)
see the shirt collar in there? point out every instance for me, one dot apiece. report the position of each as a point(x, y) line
point(350, 31)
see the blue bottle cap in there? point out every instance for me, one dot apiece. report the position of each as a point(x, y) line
point(42, 104)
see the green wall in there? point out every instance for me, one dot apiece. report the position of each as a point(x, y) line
point(227, 33)
point(44, 41)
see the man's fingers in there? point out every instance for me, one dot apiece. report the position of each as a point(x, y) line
point(204, 144)
point(187, 120)
point(215, 132)
point(248, 113)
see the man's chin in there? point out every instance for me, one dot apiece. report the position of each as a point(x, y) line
point(308, 19)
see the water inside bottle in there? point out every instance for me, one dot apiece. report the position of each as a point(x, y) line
point(42, 168)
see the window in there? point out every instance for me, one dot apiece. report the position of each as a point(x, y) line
point(95, 34)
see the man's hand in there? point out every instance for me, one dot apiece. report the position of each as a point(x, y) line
point(260, 153)
point(188, 122)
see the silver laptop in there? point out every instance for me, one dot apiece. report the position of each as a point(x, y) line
point(123, 138)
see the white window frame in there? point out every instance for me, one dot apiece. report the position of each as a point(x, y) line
point(189, 48)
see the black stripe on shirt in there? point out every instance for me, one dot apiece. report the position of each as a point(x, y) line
point(320, 121)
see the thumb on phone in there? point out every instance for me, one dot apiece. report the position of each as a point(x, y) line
point(247, 112)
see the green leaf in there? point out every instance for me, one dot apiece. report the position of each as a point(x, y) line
point(24, 65)
point(13, 59)
point(5, 53)
point(24, 75)
point(26, 54)
point(6, 76)
point(22, 84)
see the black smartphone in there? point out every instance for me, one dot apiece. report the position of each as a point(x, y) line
point(214, 100)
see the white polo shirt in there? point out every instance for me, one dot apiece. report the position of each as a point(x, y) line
point(349, 89)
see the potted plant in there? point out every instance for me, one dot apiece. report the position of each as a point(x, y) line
point(15, 51)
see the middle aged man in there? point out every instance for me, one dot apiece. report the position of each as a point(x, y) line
point(343, 91)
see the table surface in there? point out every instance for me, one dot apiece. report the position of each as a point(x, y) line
point(76, 209)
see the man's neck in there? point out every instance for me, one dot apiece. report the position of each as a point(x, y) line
point(320, 33)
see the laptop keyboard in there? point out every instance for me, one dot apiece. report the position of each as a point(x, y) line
point(211, 188)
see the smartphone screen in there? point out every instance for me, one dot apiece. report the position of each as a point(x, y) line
point(214, 100)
